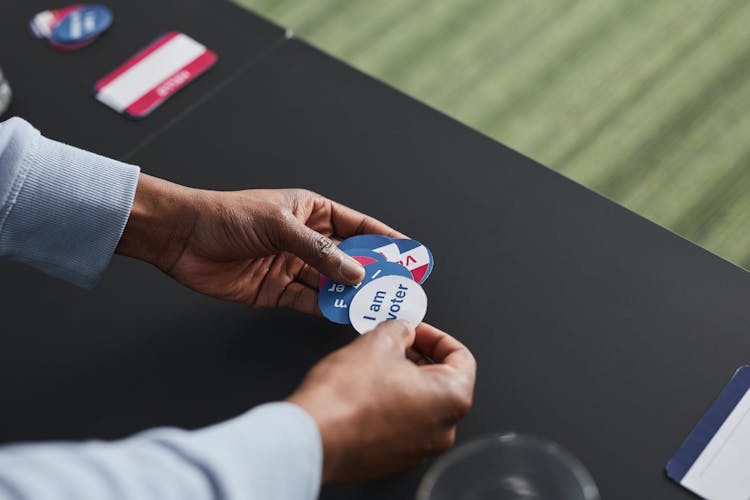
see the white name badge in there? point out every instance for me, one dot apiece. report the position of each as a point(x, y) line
point(713, 461)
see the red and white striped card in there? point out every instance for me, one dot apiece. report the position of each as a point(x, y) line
point(152, 75)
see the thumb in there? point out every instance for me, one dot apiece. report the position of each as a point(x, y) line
point(323, 254)
point(396, 334)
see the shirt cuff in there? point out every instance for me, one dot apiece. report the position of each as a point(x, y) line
point(273, 452)
point(67, 208)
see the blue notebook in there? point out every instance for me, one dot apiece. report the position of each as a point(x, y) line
point(714, 461)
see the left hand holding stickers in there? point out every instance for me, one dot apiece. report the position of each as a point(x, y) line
point(394, 270)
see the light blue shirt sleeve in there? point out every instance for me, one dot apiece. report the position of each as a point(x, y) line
point(272, 452)
point(63, 210)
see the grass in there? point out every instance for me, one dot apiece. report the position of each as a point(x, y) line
point(644, 101)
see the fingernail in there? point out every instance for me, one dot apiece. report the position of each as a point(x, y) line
point(351, 269)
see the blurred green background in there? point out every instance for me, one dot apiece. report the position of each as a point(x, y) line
point(644, 101)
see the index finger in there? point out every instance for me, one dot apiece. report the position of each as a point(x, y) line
point(443, 349)
point(349, 222)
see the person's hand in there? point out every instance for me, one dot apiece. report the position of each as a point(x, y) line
point(379, 409)
point(265, 248)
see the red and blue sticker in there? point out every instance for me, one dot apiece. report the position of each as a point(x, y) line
point(361, 255)
point(71, 27)
point(411, 254)
point(416, 257)
point(404, 260)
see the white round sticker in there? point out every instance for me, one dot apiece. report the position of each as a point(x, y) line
point(389, 251)
point(387, 298)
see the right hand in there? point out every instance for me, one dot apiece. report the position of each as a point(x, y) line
point(381, 411)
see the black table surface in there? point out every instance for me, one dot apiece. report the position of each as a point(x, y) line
point(591, 325)
point(53, 89)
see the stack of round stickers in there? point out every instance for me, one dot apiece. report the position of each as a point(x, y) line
point(394, 270)
point(72, 27)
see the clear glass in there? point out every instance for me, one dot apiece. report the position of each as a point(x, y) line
point(5, 93)
point(508, 467)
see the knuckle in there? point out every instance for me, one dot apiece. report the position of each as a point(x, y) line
point(277, 218)
point(388, 327)
point(291, 196)
point(282, 215)
point(445, 441)
point(384, 338)
point(461, 402)
point(324, 246)
point(393, 333)
point(306, 193)
point(300, 197)
point(463, 405)
point(401, 327)
point(469, 362)
point(472, 361)
point(363, 224)
point(278, 228)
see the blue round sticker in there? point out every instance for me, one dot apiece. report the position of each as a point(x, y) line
point(364, 252)
point(334, 298)
point(369, 241)
point(82, 24)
